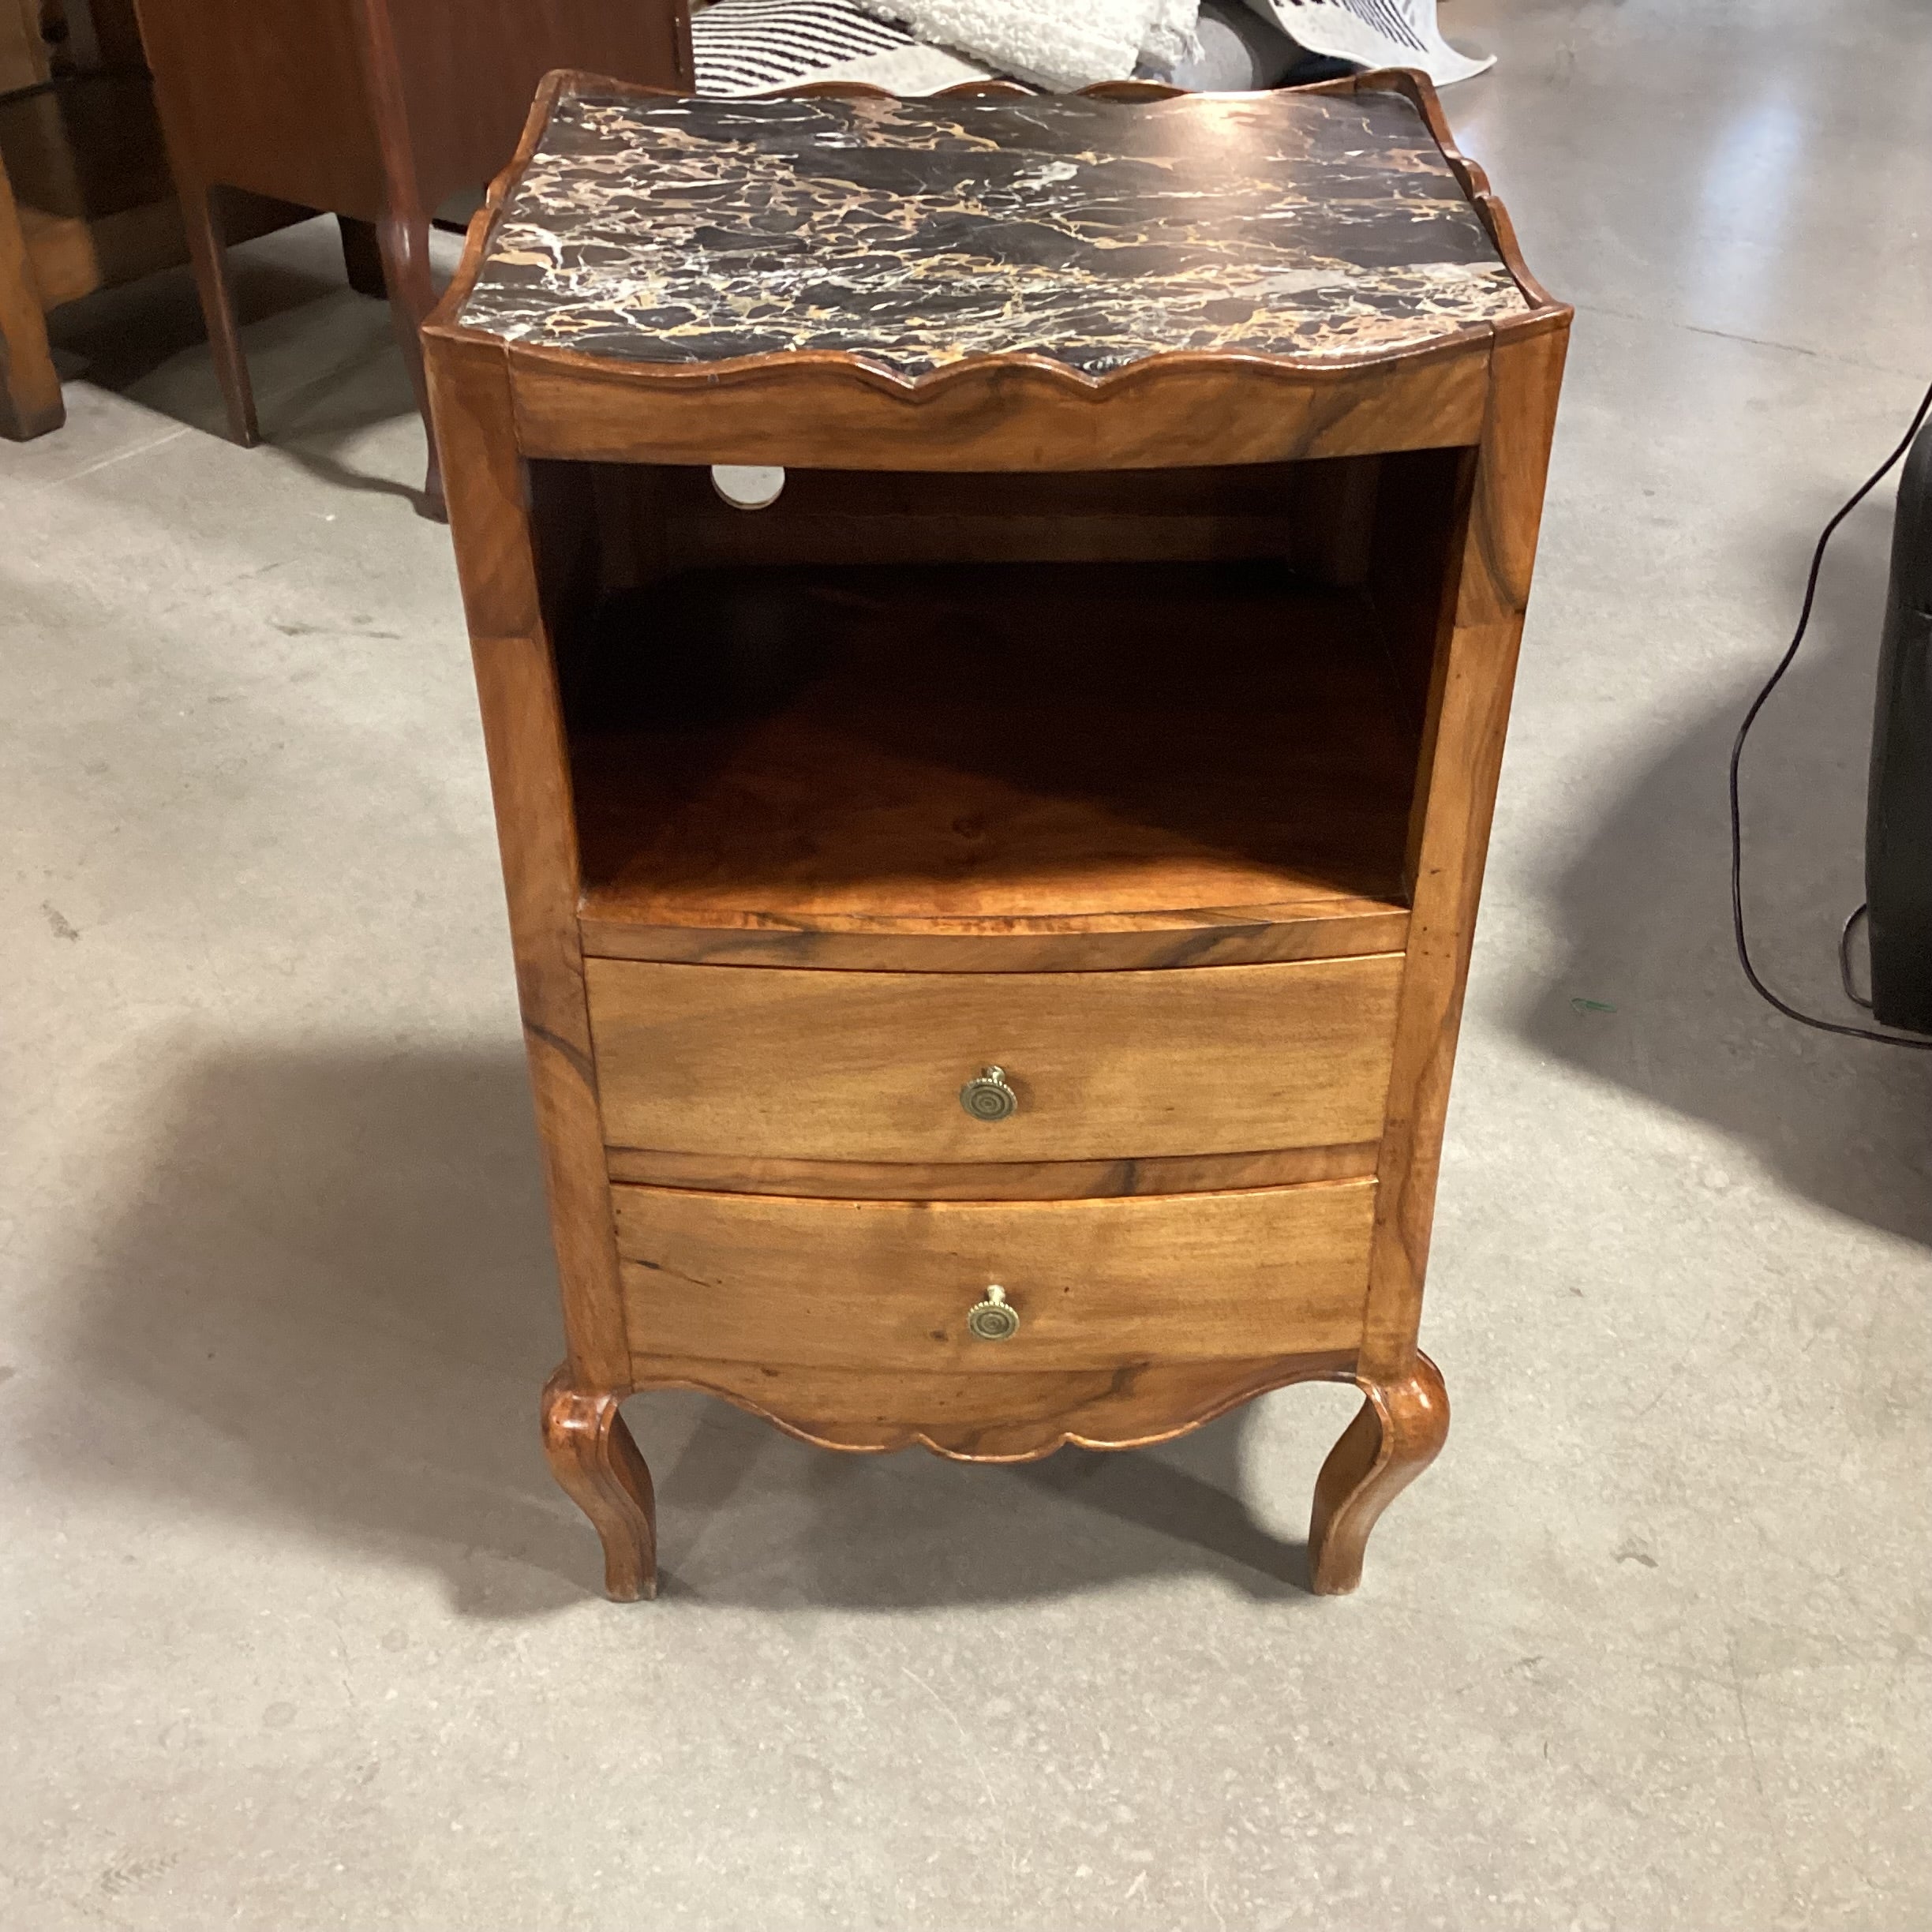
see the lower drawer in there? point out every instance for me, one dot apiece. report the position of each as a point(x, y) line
point(1095, 1284)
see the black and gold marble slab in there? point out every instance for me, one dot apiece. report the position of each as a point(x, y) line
point(915, 234)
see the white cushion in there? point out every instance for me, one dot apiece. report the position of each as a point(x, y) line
point(1374, 33)
point(750, 46)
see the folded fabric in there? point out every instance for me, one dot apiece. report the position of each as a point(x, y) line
point(1375, 33)
point(1056, 43)
point(1237, 52)
point(918, 47)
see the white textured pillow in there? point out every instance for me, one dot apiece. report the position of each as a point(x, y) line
point(916, 70)
point(1059, 43)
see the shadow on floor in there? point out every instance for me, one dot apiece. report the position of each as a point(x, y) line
point(327, 1309)
point(122, 336)
point(146, 340)
point(1645, 910)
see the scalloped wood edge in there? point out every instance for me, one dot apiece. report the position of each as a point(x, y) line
point(1413, 85)
point(973, 370)
point(1129, 1408)
point(1417, 88)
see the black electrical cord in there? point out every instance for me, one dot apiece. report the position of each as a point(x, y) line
point(1922, 1044)
point(1844, 958)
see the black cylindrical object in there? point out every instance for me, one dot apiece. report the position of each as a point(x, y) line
point(1898, 832)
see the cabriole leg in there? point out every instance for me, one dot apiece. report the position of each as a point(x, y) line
point(1402, 1425)
point(404, 244)
point(593, 1457)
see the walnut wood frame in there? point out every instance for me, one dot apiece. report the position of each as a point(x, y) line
point(1489, 391)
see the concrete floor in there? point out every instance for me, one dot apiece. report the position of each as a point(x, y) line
point(298, 1632)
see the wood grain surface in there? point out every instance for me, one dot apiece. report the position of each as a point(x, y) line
point(1470, 705)
point(1291, 513)
point(1325, 927)
point(1014, 1416)
point(30, 390)
point(770, 1065)
point(596, 1462)
point(1010, 412)
point(378, 109)
point(523, 736)
point(1019, 742)
point(887, 1285)
point(989, 1181)
point(85, 201)
point(1398, 1432)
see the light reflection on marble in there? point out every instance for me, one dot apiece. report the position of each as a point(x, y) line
point(914, 234)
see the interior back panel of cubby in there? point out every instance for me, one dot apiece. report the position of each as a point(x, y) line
point(1375, 534)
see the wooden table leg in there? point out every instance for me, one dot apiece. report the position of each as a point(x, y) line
point(403, 233)
point(593, 1458)
point(1402, 1425)
point(362, 256)
point(30, 391)
point(404, 239)
point(207, 249)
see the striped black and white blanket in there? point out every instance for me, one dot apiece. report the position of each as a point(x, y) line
point(747, 47)
point(1374, 33)
point(913, 46)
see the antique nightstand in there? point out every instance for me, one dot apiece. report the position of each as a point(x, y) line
point(991, 923)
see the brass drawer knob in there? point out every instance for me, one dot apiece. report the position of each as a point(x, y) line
point(989, 1098)
point(995, 1318)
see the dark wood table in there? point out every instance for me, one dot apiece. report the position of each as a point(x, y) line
point(85, 200)
point(991, 925)
point(377, 111)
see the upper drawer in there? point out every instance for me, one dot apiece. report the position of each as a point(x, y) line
point(759, 1062)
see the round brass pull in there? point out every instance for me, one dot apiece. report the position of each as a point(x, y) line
point(995, 1318)
point(989, 1098)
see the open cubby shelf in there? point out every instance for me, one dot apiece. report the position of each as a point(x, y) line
point(1013, 742)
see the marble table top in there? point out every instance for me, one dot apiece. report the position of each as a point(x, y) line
point(915, 234)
